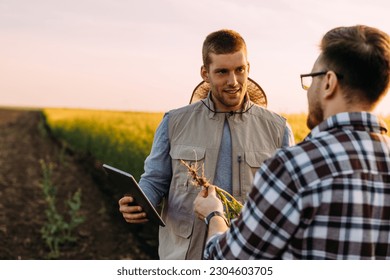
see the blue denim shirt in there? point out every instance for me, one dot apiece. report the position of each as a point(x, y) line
point(156, 179)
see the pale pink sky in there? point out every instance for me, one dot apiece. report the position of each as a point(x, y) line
point(146, 55)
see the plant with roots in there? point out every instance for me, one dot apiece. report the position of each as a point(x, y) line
point(231, 205)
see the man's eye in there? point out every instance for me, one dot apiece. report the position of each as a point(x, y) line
point(222, 71)
point(241, 70)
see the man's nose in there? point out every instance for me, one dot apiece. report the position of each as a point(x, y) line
point(232, 80)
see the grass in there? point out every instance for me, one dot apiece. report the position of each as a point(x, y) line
point(121, 139)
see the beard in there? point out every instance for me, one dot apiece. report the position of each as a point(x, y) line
point(315, 116)
point(228, 101)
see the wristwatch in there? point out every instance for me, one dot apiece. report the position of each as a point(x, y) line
point(212, 214)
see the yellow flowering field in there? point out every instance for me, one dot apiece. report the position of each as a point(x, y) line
point(121, 139)
point(124, 139)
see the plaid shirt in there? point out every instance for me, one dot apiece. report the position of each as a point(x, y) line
point(326, 198)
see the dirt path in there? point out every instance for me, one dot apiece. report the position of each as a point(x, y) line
point(104, 235)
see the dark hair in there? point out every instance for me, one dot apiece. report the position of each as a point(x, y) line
point(224, 41)
point(361, 54)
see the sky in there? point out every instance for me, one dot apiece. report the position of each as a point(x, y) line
point(146, 55)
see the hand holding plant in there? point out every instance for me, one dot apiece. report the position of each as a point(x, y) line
point(231, 205)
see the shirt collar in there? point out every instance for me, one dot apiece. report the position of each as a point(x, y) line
point(353, 121)
point(210, 104)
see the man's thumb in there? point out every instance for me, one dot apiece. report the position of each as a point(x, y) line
point(212, 189)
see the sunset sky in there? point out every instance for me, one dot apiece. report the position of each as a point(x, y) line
point(146, 55)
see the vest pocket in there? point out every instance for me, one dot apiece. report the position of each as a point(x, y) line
point(182, 192)
point(193, 156)
point(253, 160)
point(180, 223)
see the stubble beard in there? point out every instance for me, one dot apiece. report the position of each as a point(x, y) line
point(228, 102)
point(315, 116)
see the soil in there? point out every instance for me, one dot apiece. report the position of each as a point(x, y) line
point(25, 140)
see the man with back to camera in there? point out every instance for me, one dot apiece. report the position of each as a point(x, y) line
point(226, 132)
point(328, 197)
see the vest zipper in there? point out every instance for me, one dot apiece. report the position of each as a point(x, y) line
point(239, 159)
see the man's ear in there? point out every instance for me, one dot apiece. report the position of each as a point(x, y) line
point(204, 74)
point(330, 84)
point(249, 66)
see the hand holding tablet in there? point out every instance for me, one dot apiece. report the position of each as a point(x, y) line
point(127, 185)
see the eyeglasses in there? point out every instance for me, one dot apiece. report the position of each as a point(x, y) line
point(307, 79)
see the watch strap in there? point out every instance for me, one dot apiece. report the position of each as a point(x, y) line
point(212, 214)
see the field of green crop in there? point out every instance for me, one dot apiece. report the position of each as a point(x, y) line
point(298, 125)
point(121, 139)
point(124, 139)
